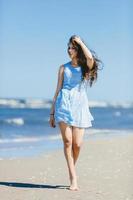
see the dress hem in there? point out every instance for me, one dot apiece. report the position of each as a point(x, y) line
point(74, 125)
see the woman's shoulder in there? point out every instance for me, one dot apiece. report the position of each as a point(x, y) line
point(64, 66)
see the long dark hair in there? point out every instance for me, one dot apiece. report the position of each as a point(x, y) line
point(87, 73)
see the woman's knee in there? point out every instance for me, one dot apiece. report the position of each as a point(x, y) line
point(67, 143)
point(66, 132)
point(77, 145)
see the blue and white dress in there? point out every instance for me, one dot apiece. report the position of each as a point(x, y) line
point(71, 104)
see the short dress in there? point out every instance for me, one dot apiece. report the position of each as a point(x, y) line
point(71, 105)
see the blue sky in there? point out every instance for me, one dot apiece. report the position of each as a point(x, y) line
point(33, 44)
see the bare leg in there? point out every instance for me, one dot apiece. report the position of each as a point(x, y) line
point(66, 132)
point(77, 140)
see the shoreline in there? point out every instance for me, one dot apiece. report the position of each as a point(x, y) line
point(35, 149)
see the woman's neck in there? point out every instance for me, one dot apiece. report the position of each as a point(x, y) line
point(74, 62)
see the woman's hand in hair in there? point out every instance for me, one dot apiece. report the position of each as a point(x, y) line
point(87, 52)
point(77, 39)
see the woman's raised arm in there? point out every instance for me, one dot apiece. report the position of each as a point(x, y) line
point(87, 53)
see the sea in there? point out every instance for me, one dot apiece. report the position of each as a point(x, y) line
point(25, 130)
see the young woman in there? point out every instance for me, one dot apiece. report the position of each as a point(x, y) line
point(70, 107)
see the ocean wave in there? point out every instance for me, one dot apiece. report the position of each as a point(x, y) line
point(29, 139)
point(50, 137)
point(21, 140)
point(104, 104)
point(40, 103)
point(16, 121)
point(25, 103)
point(24, 121)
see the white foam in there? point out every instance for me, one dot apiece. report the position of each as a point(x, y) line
point(90, 131)
point(37, 103)
point(20, 140)
point(41, 103)
point(29, 139)
point(98, 104)
point(121, 104)
point(13, 103)
point(27, 103)
point(16, 121)
point(110, 104)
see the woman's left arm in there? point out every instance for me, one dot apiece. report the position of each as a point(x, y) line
point(86, 51)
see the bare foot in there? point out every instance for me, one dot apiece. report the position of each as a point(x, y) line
point(74, 186)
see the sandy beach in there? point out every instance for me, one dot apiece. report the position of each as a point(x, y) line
point(105, 172)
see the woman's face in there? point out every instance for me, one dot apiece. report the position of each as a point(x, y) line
point(72, 51)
